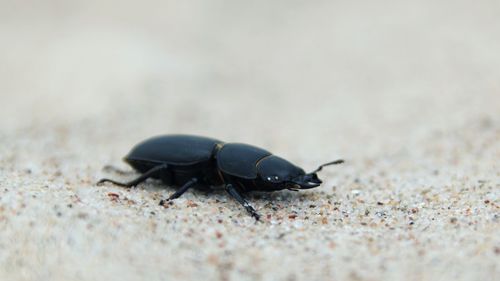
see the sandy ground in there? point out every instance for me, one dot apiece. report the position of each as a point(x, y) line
point(407, 93)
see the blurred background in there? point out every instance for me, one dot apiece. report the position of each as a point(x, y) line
point(245, 71)
point(408, 92)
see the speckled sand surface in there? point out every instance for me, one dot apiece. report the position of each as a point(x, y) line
point(408, 94)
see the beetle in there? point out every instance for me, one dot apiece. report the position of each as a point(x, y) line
point(188, 161)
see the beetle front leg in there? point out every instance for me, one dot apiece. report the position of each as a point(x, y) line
point(236, 195)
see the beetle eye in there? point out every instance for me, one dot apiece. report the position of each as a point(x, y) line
point(273, 178)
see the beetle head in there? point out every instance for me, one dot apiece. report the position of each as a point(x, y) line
point(277, 173)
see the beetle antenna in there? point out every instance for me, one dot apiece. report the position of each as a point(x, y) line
point(339, 161)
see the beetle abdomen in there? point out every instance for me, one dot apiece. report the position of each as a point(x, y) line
point(240, 160)
point(174, 149)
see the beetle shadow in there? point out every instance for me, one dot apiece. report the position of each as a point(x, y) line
point(282, 196)
point(115, 170)
point(156, 185)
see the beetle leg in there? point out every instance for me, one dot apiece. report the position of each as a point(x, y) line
point(192, 182)
point(138, 180)
point(236, 195)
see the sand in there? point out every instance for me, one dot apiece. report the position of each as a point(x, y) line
point(407, 94)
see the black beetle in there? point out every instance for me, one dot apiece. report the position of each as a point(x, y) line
point(188, 161)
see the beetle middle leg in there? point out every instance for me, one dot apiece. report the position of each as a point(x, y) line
point(181, 190)
point(152, 172)
point(236, 195)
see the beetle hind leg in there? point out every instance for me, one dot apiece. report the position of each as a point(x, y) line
point(152, 172)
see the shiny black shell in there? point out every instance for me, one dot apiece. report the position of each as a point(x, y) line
point(178, 150)
point(240, 160)
point(211, 161)
point(186, 157)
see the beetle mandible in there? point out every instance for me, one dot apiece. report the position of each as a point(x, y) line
point(189, 161)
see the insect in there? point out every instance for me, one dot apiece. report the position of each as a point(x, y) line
point(189, 161)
